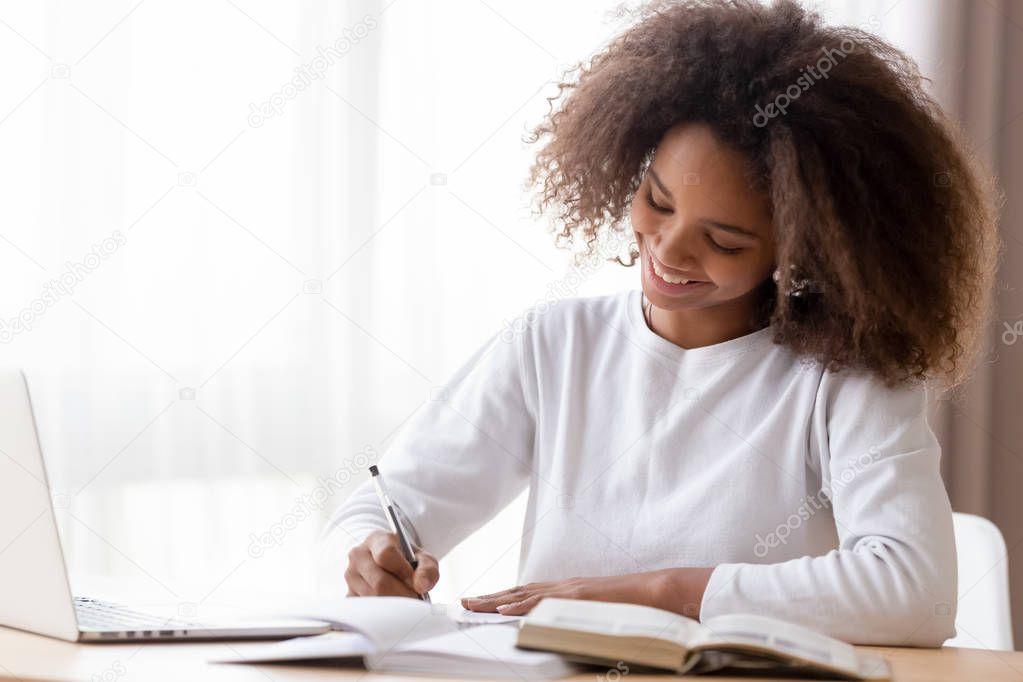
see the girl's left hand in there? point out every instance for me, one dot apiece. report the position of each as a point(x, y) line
point(674, 589)
point(517, 601)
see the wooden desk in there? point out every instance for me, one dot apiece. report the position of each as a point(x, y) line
point(31, 658)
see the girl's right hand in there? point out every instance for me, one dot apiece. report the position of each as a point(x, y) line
point(377, 567)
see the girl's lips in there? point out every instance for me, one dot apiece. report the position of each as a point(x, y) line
point(671, 271)
point(668, 287)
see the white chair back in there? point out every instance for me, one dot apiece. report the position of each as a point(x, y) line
point(983, 618)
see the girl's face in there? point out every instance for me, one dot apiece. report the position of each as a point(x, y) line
point(696, 218)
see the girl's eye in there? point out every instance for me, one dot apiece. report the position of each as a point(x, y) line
point(662, 209)
point(722, 249)
point(654, 205)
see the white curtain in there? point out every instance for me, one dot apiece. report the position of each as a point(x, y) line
point(242, 241)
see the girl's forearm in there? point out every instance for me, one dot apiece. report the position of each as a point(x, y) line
point(679, 590)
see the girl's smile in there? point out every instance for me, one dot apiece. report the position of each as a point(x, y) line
point(653, 272)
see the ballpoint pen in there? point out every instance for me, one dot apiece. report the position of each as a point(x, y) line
point(396, 527)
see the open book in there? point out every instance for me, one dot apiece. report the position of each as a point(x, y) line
point(403, 635)
point(609, 633)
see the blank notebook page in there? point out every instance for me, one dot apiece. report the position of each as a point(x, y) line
point(485, 650)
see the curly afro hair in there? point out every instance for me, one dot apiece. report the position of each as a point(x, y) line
point(875, 198)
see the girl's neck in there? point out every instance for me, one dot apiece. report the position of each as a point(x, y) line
point(698, 327)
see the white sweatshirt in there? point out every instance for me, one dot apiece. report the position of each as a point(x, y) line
point(815, 495)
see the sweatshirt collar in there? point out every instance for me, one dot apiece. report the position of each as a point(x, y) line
point(714, 352)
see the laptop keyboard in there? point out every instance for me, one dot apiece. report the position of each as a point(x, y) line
point(95, 614)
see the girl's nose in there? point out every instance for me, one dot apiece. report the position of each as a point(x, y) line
point(677, 243)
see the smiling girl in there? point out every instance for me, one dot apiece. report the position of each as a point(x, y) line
point(747, 432)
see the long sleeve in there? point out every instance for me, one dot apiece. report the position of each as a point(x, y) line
point(892, 579)
point(465, 454)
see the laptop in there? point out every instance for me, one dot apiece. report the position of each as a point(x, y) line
point(35, 593)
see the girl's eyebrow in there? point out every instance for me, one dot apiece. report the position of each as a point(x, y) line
point(660, 185)
point(710, 223)
point(730, 228)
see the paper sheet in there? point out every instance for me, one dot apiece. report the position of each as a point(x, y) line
point(330, 645)
point(463, 615)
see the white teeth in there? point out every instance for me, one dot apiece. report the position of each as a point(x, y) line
point(666, 277)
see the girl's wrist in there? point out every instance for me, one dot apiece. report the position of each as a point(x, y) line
point(680, 590)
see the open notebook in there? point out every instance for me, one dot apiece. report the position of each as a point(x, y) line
point(402, 635)
point(608, 633)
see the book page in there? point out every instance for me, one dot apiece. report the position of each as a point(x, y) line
point(747, 631)
point(612, 618)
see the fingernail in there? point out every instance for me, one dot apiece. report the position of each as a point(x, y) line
point(503, 607)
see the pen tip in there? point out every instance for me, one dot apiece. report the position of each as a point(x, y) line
point(373, 470)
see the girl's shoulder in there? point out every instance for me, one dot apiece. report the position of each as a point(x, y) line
point(567, 316)
point(861, 396)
